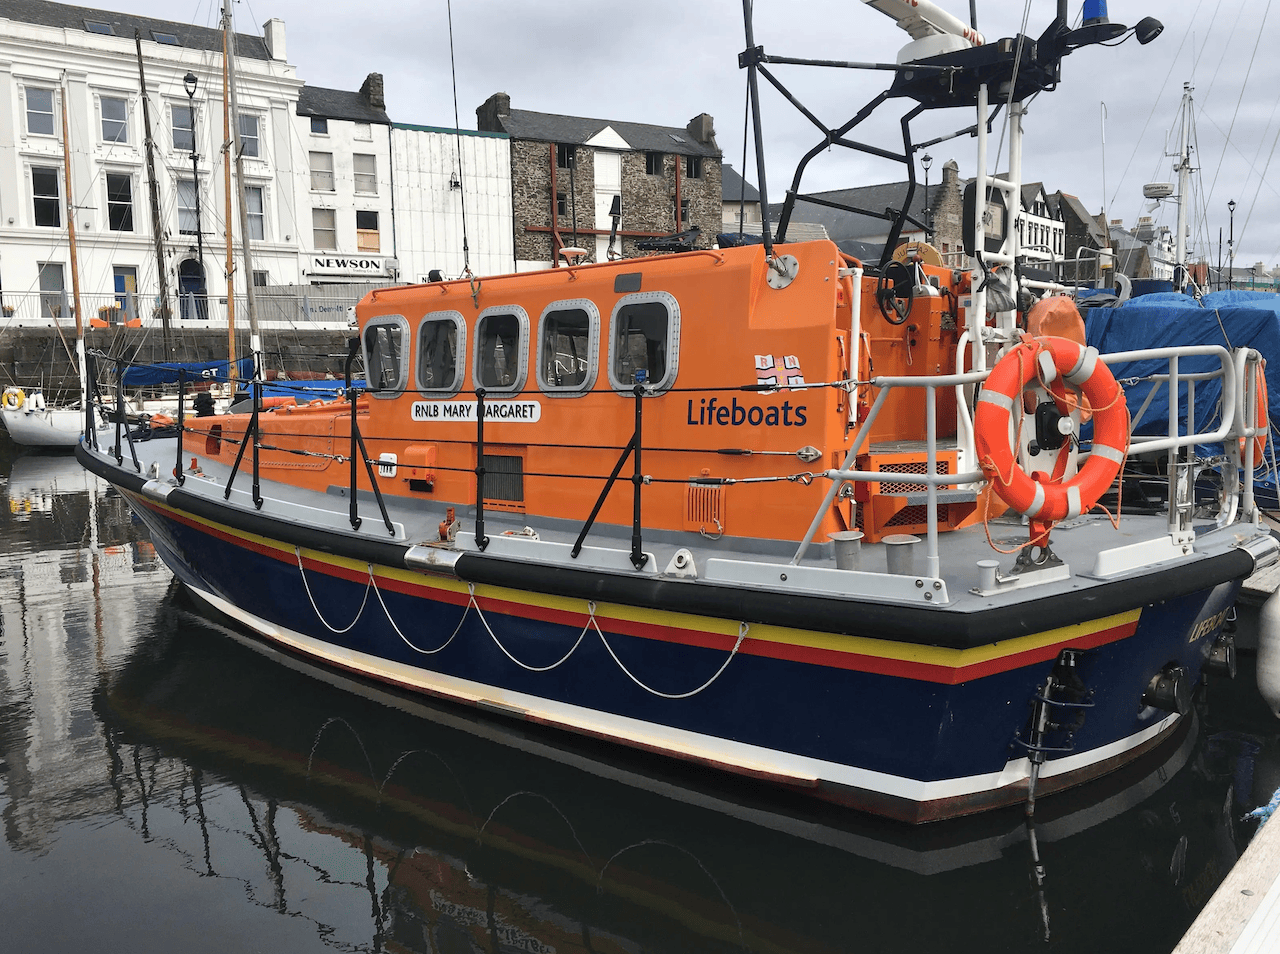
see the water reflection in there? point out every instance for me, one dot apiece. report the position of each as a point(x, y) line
point(281, 807)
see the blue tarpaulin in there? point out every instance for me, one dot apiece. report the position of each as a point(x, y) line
point(151, 375)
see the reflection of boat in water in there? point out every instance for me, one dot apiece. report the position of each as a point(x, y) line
point(36, 480)
point(451, 824)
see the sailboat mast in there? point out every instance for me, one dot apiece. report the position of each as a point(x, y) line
point(81, 367)
point(1184, 196)
point(226, 172)
point(156, 233)
point(255, 340)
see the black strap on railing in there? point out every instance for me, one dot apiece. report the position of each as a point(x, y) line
point(482, 541)
point(90, 391)
point(121, 421)
point(638, 556)
point(252, 429)
point(357, 444)
point(182, 424)
point(257, 442)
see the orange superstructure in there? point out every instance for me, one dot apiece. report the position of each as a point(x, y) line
point(740, 371)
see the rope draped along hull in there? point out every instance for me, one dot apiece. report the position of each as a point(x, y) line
point(895, 727)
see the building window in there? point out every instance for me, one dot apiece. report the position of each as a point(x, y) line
point(184, 128)
point(167, 39)
point(187, 224)
point(255, 208)
point(693, 167)
point(366, 170)
point(119, 202)
point(321, 171)
point(324, 229)
point(53, 295)
point(384, 352)
point(684, 211)
point(362, 132)
point(566, 156)
point(367, 237)
point(568, 339)
point(99, 26)
point(40, 112)
point(653, 163)
point(261, 278)
point(46, 199)
point(440, 339)
point(562, 203)
point(319, 127)
point(499, 349)
point(249, 136)
point(115, 119)
point(646, 336)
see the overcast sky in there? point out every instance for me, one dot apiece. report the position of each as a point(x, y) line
point(665, 61)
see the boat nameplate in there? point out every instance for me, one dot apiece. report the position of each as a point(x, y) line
point(827, 581)
point(543, 552)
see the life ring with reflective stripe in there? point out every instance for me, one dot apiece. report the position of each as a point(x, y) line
point(1051, 361)
point(1261, 418)
point(14, 398)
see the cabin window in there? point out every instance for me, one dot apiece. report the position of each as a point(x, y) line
point(46, 197)
point(645, 341)
point(500, 349)
point(119, 202)
point(441, 339)
point(568, 346)
point(384, 357)
point(39, 111)
point(115, 119)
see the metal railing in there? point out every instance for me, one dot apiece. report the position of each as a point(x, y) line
point(128, 309)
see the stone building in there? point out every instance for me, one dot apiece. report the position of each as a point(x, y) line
point(566, 172)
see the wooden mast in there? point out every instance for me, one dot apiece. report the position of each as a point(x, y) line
point(255, 340)
point(81, 368)
point(232, 368)
point(156, 233)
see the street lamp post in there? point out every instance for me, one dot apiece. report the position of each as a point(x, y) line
point(1231, 245)
point(927, 161)
point(189, 83)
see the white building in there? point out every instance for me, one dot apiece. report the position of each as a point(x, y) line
point(1041, 230)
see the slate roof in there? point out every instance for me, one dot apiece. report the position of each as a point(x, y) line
point(66, 17)
point(339, 104)
point(1070, 204)
point(732, 186)
point(552, 127)
point(845, 226)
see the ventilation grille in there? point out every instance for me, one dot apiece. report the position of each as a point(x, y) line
point(897, 487)
point(503, 478)
point(704, 508)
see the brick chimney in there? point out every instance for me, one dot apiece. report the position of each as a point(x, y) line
point(372, 91)
point(702, 128)
point(489, 114)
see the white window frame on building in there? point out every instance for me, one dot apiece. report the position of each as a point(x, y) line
point(115, 128)
point(53, 290)
point(184, 137)
point(257, 217)
point(321, 166)
point(185, 200)
point(365, 168)
point(368, 235)
point(261, 278)
point(250, 135)
point(39, 92)
point(48, 201)
point(119, 204)
point(324, 222)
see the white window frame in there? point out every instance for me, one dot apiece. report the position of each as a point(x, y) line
point(362, 177)
point(260, 217)
point(313, 169)
point(333, 215)
point(174, 128)
point(256, 137)
point(53, 110)
point(189, 211)
point(103, 99)
point(57, 198)
point(106, 180)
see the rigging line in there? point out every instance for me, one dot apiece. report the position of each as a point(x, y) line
point(1226, 49)
point(591, 620)
point(1173, 62)
point(306, 586)
point(743, 629)
point(457, 136)
point(1013, 82)
point(471, 601)
point(1262, 178)
point(1244, 83)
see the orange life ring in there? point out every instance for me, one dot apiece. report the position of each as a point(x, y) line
point(1261, 419)
point(1042, 499)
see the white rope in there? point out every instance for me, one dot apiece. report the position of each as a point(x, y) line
point(471, 601)
point(591, 618)
point(319, 615)
point(742, 633)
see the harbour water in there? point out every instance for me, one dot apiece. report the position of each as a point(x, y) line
point(168, 783)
